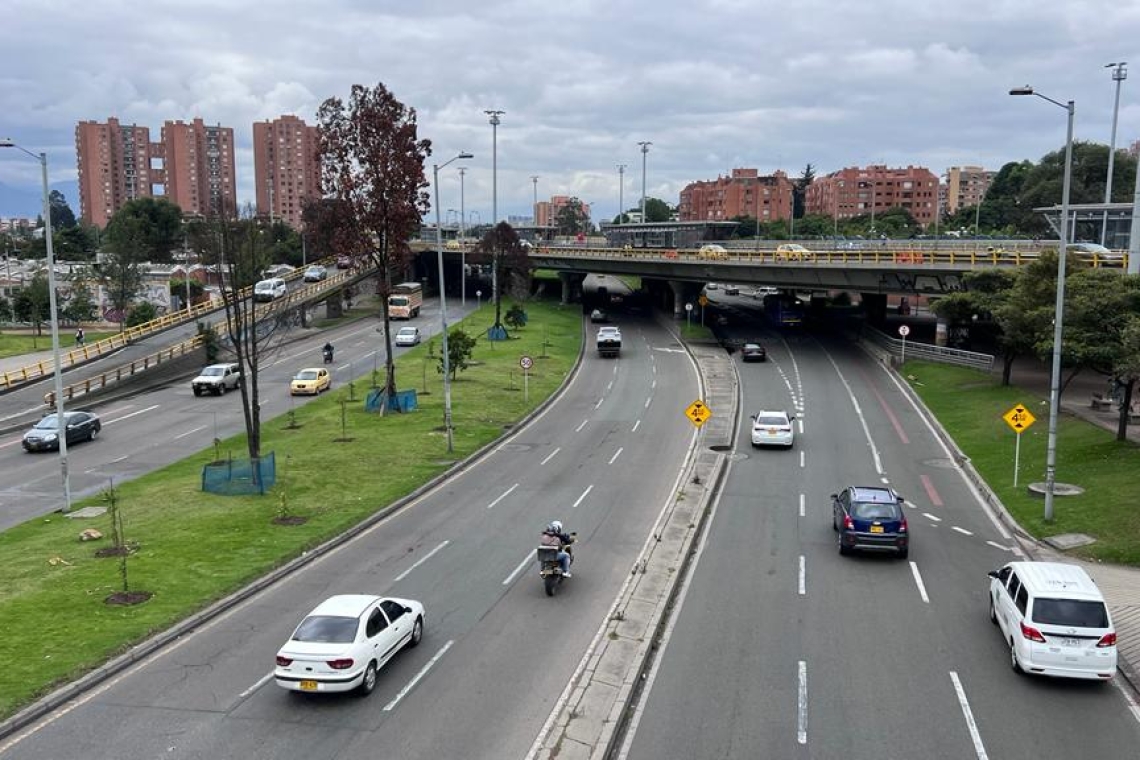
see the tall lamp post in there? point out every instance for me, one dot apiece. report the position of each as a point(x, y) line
point(61, 422)
point(644, 155)
point(494, 118)
point(621, 194)
point(1119, 74)
point(534, 209)
point(443, 302)
point(462, 238)
point(1059, 308)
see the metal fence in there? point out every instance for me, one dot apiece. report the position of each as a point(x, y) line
point(928, 352)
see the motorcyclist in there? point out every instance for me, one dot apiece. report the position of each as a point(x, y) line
point(328, 352)
point(555, 537)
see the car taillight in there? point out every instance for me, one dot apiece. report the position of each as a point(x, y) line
point(902, 525)
point(1107, 640)
point(340, 664)
point(848, 523)
point(1032, 634)
point(284, 661)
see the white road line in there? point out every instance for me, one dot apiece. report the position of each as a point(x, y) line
point(800, 420)
point(653, 384)
point(803, 502)
point(651, 356)
point(996, 545)
point(859, 414)
point(918, 582)
point(963, 531)
point(11, 443)
point(603, 398)
point(503, 496)
point(419, 562)
point(970, 724)
point(1132, 706)
point(260, 682)
point(647, 402)
point(803, 575)
point(583, 496)
point(615, 369)
point(801, 458)
point(636, 425)
point(801, 713)
point(526, 560)
point(935, 518)
point(616, 454)
point(423, 672)
point(550, 456)
point(132, 414)
point(610, 385)
point(189, 432)
point(579, 428)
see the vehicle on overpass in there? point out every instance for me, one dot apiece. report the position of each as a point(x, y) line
point(405, 300)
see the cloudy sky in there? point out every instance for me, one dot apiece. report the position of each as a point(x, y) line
point(713, 84)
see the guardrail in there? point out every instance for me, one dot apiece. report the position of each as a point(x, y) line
point(928, 352)
point(124, 372)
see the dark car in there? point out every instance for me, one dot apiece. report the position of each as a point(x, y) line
point(344, 262)
point(597, 315)
point(753, 352)
point(870, 518)
point(81, 426)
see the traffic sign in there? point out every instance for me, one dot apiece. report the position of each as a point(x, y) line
point(703, 300)
point(904, 330)
point(526, 362)
point(688, 307)
point(698, 413)
point(1019, 418)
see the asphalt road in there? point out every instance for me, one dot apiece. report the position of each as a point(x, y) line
point(782, 648)
point(497, 652)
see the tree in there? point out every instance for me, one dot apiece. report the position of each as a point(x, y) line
point(141, 313)
point(33, 302)
point(799, 191)
point(460, 346)
point(372, 164)
point(74, 243)
point(153, 224)
point(510, 266)
point(657, 210)
point(284, 244)
point(571, 218)
point(81, 307)
point(121, 272)
point(321, 218)
point(62, 217)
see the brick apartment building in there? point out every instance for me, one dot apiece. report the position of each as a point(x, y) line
point(546, 212)
point(287, 167)
point(192, 166)
point(743, 193)
point(856, 191)
point(966, 186)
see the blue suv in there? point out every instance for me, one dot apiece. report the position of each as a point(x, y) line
point(870, 518)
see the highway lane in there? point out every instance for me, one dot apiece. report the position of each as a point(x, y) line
point(165, 424)
point(783, 648)
point(497, 653)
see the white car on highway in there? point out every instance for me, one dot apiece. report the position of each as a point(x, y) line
point(343, 643)
point(408, 336)
point(773, 428)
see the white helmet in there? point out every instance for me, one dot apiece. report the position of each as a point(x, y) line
point(555, 526)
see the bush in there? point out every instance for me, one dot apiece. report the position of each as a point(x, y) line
point(141, 313)
point(516, 316)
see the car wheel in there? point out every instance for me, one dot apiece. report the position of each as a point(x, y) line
point(904, 553)
point(197, 392)
point(369, 681)
point(993, 612)
point(834, 522)
point(1013, 663)
point(843, 549)
point(417, 633)
point(93, 434)
point(219, 390)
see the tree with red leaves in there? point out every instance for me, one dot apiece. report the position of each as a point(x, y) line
point(372, 165)
point(504, 250)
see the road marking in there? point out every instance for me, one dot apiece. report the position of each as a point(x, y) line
point(801, 713)
point(801, 422)
point(647, 402)
point(610, 385)
point(503, 496)
point(654, 366)
point(996, 545)
point(918, 582)
point(653, 384)
point(421, 560)
point(615, 369)
point(935, 499)
point(616, 454)
point(801, 458)
point(189, 432)
point(579, 428)
point(963, 531)
point(132, 414)
point(10, 443)
point(1132, 706)
point(935, 518)
point(423, 672)
point(859, 414)
point(550, 456)
point(526, 560)
point(887, 409)
point(802, 504)
point(260, 682)
point(803, 575)
point(603, 398)
point(583, 496)
point(636, 425)
point(970, 724)
point(120, 459)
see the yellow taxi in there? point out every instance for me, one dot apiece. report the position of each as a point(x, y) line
point(310, 381)
point(713, 251)
point(793, 252)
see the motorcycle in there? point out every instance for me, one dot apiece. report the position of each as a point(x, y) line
point(550, 570)
point(328, 356)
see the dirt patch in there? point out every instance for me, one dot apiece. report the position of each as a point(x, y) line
point(290, 520)
point(128, 598)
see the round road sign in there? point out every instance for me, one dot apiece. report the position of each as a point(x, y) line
point(904, 330)
point(688, 307)
point(526, 362)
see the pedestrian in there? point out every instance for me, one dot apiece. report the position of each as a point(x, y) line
point(79, 337)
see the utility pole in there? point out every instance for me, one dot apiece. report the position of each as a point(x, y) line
point(644, 154)
point(1119, 74)
point(534, 209)
point(462, 239)
point(621, 194)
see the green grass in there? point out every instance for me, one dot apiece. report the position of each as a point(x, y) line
point(17, 343)
point(195, 548)
point(970, 405)
point(695, 331)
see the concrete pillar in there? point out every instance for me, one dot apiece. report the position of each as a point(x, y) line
point(682, 293)
point(571, 286)
point(875, 307)
point(941, 332)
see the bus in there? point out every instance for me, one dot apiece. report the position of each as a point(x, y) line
point(406, 300)
point(784, 310)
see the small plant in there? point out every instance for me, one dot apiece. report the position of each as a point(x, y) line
point(515, 316)
point(121, 549)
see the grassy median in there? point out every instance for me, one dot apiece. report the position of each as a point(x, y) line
point(194, 548)
point(970, 405)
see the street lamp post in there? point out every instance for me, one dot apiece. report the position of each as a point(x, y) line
point(494, 118)
point(443, 302)
point(61, 421)
point(462, 239)
point(1119, 74)
point(644, 155)
point(534, 209)
point(1059, 308)
point(621, 193)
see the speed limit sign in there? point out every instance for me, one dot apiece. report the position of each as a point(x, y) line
point(904, 330)
point(526, 362)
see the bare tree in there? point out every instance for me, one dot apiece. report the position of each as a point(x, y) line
point(372, 164)
point(505, 252)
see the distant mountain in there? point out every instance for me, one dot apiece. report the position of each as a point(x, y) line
point(28, 201)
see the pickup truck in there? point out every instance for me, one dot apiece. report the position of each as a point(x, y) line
point(609, 341)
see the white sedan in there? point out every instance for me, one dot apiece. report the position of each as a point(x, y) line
point(343, 643)
point(408, 336)
point(773, 428)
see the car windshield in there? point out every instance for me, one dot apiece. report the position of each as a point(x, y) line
point(751, 347)
point(1070, 612)
point(308, 374)
point(770, 420)
point(323, 629)
point(398, 301)
point(407, 332)
point(875, 510)
point(315, 270)
point(212, 371)
point(47, 423)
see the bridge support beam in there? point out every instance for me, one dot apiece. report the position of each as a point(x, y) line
point(571, 286)
point(875, 307)
point(941, 332)
point(683, 292)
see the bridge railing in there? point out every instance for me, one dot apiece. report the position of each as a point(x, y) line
point(928, 352)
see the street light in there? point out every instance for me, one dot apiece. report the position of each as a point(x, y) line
point(61, 422)
point(494, 114)
point(621, 193)
point(1059, 308)
point(1119, 74)
point(462, 239)
point(644, 154)
point(443, 302)
point(534, 178)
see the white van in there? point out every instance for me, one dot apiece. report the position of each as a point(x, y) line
point(1055, 620)
point(268, 290)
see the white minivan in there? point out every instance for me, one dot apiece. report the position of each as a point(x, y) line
point(1055, 620)
point(268, 290)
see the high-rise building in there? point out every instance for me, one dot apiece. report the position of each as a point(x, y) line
point(744, 193)
point(966, 186)
point(546, 212)
point(115, 166)
point(287, 167)
point(856, 191)
point(199, 167)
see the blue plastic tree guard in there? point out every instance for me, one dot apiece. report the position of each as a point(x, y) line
point(240, 476)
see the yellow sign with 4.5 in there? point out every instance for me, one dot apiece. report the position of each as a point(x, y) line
point(1019, 418)
point(698, 413)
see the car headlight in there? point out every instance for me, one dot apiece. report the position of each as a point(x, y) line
point(50, 437)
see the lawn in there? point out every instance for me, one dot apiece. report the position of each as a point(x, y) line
point(195, 548)
point(970, 405)
point(26, 342)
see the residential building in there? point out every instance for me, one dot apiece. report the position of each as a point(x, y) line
point(287, 167)
point(1134, 149)
point(743, 193)
point(115, 166)
point(546, 212)
point(199, 167)
point(858, 191)
point(966, 186)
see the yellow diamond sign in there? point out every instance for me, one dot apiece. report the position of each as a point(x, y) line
point(698, 413)
point(1019, 418)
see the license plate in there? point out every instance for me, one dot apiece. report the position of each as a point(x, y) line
point(1070, 642)
point(771, 431)
point(308, 685)
point(876, 528)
